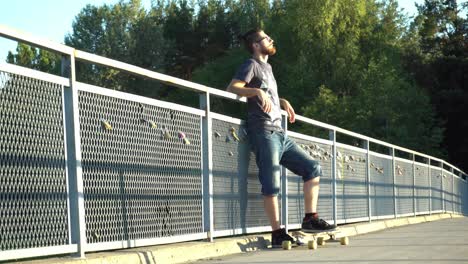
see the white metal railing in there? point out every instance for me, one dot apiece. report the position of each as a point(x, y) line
point(69, 54)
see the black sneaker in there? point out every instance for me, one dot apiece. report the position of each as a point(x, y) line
point(277, 238)
point(317, 225)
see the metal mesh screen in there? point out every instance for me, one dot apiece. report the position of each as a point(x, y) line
point(436, 189)
point(237, 199)
point(448, 190)
point(381, 186)
point(404, 187)
point(422, 190)
point(142, 178)
point(33, 186)
point(457, 192)
point(464, 192)
point(463, 188)
point(321, 153)
point(351, 184)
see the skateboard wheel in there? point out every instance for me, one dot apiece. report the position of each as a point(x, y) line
point(321, 241)
point(344, 241)
point(312, 244)
point(286, 245)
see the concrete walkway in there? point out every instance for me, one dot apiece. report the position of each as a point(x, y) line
point(443, 241)
point(437, 238)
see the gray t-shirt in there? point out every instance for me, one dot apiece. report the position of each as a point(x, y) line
point(259, 74)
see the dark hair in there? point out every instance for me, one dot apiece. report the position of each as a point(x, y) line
point(249, 38)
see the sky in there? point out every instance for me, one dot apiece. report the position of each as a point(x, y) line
point(47, 19)
point(52, 19)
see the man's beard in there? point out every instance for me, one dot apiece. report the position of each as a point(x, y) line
point(270, 50)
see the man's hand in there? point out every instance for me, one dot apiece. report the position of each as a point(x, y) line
point(265, 100)
point(238, 87)
point(288, 108)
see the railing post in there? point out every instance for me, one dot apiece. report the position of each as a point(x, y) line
point(74, 169)
point(207, 163)
point(414, 185)
point(453, 187)
point(392, 151)
point(284, 185)
point(430, 185)
point(442, 186)
point(369, 202)
point(332, 137)
point(466, 195)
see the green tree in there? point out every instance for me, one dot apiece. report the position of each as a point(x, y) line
point(35, 58)
point(203, 37)
point(353, 63)
point(436, 55)
point(123, 32)
point(341, 63)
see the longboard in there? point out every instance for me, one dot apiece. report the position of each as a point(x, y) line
point(314, 239)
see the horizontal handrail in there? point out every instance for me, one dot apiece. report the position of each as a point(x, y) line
point(227, 95)
point(137, 98)
point(14, 69)
point(20, 36)
point(118, 65)
point(360, 136)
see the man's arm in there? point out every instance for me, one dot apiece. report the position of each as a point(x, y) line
point(283, 102)
point(288, 108)
point(238, 87)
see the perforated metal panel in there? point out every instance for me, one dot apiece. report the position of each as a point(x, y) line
point(457, 195)
point(436, 189)
point(461, 193)
point(422, 190)
point(237, 199)
point(33, 187)
point(351, 184)
point(462, 188)
point(381, 186)
point(463, 196)
point(448, 190)
point(404, 187)
point(141, 180)
point(295, 184)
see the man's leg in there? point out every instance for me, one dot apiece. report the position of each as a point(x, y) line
point(278, 234)
point(311, 193)
point(267, 148)
point(270, 203)
point(299, 162)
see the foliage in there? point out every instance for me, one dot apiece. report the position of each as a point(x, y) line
point(35, 58)
point(359, 64)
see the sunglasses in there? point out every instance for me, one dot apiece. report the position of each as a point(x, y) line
point(267, 38)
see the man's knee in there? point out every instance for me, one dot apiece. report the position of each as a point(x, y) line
point(313, 171)
point(271, 190)
point(313, 181)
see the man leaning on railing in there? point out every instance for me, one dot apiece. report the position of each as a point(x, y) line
point(272, 147)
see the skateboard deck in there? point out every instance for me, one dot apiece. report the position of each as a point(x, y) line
point(315, 239)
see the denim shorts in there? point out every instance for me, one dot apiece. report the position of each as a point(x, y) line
point(274, 148)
